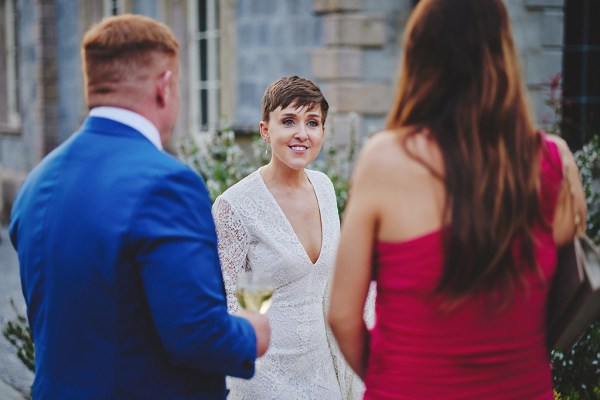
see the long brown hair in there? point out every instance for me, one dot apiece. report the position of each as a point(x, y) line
point(460, 79)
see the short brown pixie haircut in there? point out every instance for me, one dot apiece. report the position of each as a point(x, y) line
point(296, 91)
point(124, 48)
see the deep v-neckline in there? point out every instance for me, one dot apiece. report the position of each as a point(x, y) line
point(287, 221)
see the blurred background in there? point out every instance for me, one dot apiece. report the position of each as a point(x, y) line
point(230, 51)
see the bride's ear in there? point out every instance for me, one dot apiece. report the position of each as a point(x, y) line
point(264, 132)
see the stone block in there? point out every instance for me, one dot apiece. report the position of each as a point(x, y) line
point(343, 128)
point(541, 66)
point(544, 3)
point(552, 28)
point(336, 63)
point(360, 97)
point(357, 29)
point(544, 115)
point(328, 6)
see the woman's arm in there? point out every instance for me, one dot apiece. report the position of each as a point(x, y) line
point(353, 269)
point(571, 198)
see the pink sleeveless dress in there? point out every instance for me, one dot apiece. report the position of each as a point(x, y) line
point(475, 352)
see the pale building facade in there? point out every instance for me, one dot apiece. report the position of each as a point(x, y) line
point(231, 50)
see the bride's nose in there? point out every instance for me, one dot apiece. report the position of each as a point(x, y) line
point(301, 133)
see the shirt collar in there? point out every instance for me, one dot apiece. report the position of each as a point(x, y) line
point(132, 119)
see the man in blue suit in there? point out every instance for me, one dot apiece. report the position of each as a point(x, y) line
point(117, 246)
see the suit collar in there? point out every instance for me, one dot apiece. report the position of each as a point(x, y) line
point(131, 119)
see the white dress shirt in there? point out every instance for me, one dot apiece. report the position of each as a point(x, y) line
point(132, 119)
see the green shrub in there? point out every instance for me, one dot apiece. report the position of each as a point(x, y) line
point(218, 159)
point(18, 334)
point(576, 373)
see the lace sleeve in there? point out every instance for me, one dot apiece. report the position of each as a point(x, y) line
point(233, 247)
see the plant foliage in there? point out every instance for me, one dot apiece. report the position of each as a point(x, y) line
point(18, 334)
point(576, 373)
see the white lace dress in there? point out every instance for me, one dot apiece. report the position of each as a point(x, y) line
point(302, 362)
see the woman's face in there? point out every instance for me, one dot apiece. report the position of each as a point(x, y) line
point(295, 134)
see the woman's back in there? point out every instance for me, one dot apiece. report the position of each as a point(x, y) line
point(479, 349)
point(452, 211)
point(407, 192)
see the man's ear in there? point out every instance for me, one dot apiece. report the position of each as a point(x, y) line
point(163, 88)
point(264, 131)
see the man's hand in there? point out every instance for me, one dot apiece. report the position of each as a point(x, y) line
point(262, 328)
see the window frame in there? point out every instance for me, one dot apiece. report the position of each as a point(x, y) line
point(577, 52)
point(198, 121)
point(12, 123)
point(113, 7)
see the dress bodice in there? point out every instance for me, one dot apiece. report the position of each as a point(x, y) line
point(480, 350)
point(302, 361)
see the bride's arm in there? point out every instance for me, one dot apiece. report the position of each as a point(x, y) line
point(233, 247)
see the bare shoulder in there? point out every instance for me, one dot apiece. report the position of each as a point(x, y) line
point(563, 148)
point(381, 151)
point(388, 152)
point(558, 140)
point(380, 142)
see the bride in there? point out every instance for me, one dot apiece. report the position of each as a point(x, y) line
point(283, 219)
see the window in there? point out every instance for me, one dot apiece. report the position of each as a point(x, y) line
point(113, 7)
point(9, 105)
point(581, 77)
point(204, 66)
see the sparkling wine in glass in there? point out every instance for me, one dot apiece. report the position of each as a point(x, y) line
point(254, 291)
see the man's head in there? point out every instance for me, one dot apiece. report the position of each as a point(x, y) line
point(131, 61)
point(293, 90)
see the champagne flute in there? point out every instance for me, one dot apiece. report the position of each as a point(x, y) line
point(254, 291)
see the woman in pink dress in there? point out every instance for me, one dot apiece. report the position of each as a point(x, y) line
point(456, 210)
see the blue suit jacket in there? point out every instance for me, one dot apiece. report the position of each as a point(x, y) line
point(121, 276)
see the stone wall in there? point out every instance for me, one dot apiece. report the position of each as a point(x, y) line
point(22, 149)
point(538, 31)
point(358, 61)
point(274, 39)
point(351, 48)
point(362, 43)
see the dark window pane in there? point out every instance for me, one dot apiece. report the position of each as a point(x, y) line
point(572, 68)
point(574, 17)
point(571, 124)
point(203, 108)
point(593, 73)
point(203, 59)
point(592, 23)
point(114, 7)
point(593, 119)
point(202, 15)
